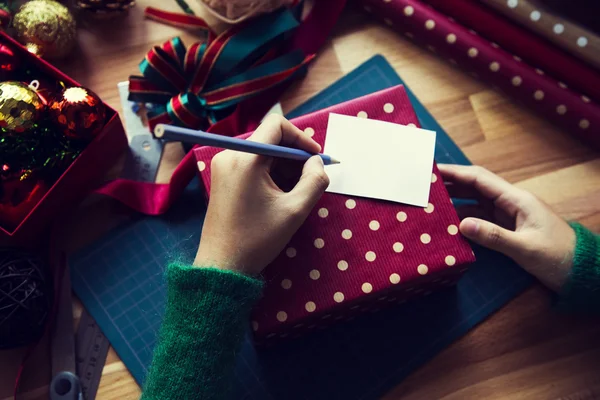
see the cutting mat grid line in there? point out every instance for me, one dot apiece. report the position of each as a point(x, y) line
point(120, 280)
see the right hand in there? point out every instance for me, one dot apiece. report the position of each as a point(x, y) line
point(515, 223)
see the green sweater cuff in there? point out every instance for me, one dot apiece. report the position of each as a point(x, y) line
point(206, 316)
point(581, 293)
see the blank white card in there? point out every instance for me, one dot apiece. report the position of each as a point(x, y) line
point(379, 159)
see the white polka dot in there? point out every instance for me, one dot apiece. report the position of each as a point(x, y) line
point(286, 284)
point(433, 178)
point(512, 3)
point(450, 260)
point(323, 212)
point(430, 24)
point(367, 287)
point(516, 80)
point(374, 225)
point(290, 252)
point(494, 66)
point(319, 243)
point(370, 256)
point(558, 28)
point(394, 278)
point(398, 247)
point(281, 316)
point(254, 326)
point(310, 306)
point(473, 52)
point(347, 234)
point(338, 297)
point(425, 238)
point(309, 131)
point(408, 11)
point(561, 109)
point(314, 274)
point(535, 15)
point(585, 99)
point(539, 71)
point(201, 166)
point(429, 209)
point(350, 204)
point(411, 125)
point(401, 216)
point(517, 58)
point(538, 95)
point(422, 269)
point(362, 114)
point(388, 21)
point(582, 41)
point(584, 124)
point(342, 265)
point(451, 38)
point(452, 229)
point(562, 85)
point(388, 108)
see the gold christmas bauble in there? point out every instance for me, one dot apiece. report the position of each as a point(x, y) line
point(46, 28)
point(20, 106)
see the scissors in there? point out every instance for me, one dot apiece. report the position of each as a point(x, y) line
point(65, 384)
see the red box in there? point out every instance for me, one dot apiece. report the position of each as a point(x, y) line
point(82, 175)
point(356, 254)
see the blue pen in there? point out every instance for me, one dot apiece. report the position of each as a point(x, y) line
point(177, 133)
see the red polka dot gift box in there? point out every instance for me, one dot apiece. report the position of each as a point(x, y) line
point(355, 254)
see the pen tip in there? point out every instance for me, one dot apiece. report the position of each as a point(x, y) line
point(333, 161)
point(159, 131)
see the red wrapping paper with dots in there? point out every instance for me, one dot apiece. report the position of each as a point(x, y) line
point(354, 254)
point(475, 54)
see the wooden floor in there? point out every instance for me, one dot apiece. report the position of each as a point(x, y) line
point(525, 351)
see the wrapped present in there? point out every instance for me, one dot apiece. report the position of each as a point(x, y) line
point(353, 254)
point(90, 135)
point(575, 112)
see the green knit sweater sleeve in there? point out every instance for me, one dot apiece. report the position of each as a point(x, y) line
point(206, 315)
point(581, 293)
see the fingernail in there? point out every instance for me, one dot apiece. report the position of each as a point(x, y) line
point(469, 227)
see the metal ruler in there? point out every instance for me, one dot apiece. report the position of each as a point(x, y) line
point(91, 349)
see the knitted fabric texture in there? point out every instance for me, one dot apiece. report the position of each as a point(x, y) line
point(206, 315)
point(581, 293)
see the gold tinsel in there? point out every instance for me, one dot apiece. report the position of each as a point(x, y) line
point(46, 28)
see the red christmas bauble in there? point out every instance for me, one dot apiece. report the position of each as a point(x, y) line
point(78, 113)
point(18, 196)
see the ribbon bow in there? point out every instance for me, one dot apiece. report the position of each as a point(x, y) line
point(202, 84)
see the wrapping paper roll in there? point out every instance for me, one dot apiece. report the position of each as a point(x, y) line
point(519, 41)
point(536, 17)
point(462, 46)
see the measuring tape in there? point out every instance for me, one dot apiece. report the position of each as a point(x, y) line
point(91, 349)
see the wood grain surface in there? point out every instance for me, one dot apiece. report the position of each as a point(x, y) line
point(525, 351)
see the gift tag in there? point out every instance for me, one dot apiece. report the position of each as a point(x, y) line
point(145, 151)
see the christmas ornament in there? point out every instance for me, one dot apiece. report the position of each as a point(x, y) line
point(78, 112)
point(20, 107)
point(8, 62)
point(104, 8)
point(5, 16)
point(25, 297)
point(46, 28)
point(238, 10)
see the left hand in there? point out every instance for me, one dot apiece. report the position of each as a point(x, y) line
point(250, 219)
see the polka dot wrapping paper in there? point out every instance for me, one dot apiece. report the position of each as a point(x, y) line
point(566, 95)
point(356, 254)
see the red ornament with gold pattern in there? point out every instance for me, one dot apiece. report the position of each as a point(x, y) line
point(78, 112)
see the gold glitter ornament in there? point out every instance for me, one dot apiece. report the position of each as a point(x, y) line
point(20, 107)
point(46, 28)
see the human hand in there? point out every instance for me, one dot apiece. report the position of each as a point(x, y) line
point(249, 218)
point(515, 223)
